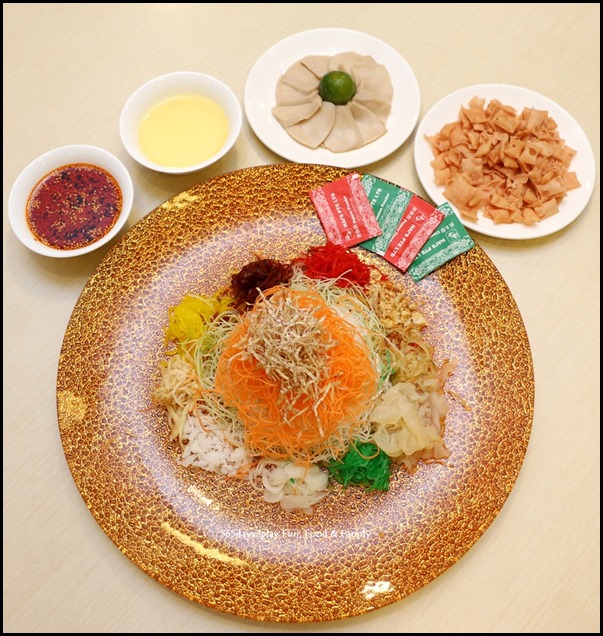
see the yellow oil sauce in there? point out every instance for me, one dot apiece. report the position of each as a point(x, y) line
point(184, 130)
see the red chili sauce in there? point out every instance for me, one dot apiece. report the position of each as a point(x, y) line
point(73, 206)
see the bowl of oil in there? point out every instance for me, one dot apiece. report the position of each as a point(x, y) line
point(180, 122)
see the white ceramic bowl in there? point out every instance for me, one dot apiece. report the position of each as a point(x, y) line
point(170, 85)
point(46, 163)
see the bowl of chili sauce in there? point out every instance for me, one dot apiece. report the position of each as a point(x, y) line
point(70, 201)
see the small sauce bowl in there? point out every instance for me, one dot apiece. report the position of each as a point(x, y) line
point(170, 86)
point(87, 213)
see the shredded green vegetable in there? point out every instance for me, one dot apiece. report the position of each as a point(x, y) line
point(363, 464)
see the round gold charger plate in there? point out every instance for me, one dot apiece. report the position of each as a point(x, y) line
point(214, 540)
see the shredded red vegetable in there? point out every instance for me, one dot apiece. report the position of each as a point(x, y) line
point(335, 261)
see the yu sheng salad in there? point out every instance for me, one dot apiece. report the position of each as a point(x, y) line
point(302, 374)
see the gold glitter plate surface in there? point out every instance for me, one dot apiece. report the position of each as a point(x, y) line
point(213, 540)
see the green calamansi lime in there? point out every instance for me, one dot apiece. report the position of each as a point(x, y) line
point(337, 87)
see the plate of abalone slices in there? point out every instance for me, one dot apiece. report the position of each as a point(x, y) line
point(290, 112)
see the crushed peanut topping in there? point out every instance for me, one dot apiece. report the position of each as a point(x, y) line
point(394, 308)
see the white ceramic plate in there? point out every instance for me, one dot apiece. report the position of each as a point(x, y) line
point(260, 96)
point(447, 110)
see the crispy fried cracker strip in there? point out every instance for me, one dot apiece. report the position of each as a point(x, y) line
point(512, 167)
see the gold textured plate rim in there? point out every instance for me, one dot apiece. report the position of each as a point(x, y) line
point(217, 543)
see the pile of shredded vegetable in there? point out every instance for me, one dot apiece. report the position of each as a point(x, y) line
point(303, 374)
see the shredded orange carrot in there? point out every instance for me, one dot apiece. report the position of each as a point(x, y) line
point(294, 425)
